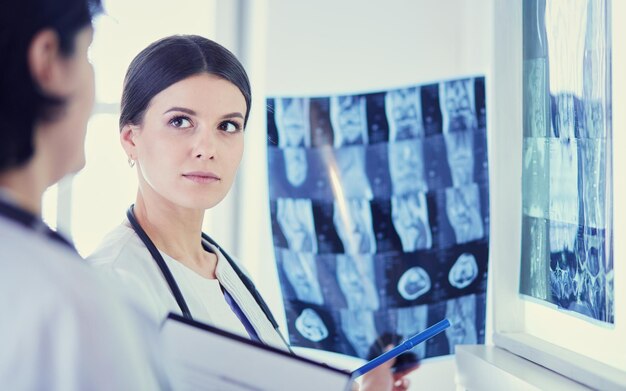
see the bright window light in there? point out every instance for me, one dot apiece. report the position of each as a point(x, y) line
point(103, 190)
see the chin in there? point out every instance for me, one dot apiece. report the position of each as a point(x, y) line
point(202, 203)
point(78, 166)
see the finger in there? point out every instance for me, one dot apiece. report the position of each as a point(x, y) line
point(404, 372)
point(388, 364)
point(401, 384)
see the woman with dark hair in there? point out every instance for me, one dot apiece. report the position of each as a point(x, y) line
point(62, 327)
point(185, 105)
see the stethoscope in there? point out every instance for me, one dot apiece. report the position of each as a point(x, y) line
point(171, 282)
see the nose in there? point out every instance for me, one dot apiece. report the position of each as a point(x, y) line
point(205, 144)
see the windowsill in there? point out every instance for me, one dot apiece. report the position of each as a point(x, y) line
point(575, 366)
point(487, 367)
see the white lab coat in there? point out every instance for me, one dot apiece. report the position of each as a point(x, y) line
point(63, 326)
point(123, 254)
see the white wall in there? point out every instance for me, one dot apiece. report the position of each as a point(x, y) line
point(327, 46)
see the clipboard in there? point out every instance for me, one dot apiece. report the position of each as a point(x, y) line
point(203, 357)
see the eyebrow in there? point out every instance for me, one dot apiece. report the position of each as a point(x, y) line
point(191, 112)
point(184, 110)
point(232, 115)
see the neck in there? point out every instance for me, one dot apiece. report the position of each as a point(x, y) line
point(175, 230)
point(25, 187)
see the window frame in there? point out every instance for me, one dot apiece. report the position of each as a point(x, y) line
point(586, 351)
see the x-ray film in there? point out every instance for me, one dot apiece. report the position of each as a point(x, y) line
point(567, 257)
point(379, 205)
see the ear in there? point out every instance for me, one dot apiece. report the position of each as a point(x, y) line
point(47, 64)
point(127, 139)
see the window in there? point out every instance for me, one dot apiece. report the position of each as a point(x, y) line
point(94, 201)
point(531, 329)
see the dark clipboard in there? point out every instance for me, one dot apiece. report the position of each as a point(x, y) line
point(204, 357)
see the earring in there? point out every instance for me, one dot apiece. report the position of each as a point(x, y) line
point(131, 163)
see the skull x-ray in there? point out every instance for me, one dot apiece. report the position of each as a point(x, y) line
point(566, 184)
point(379, 206)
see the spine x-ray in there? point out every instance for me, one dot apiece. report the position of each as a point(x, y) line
point(380, 215)
point(566, 198)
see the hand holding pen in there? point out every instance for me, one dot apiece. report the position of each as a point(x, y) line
point(403, 347)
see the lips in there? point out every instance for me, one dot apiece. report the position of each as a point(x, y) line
point(201, 176)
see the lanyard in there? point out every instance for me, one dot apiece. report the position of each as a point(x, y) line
point(178, 296)
point(32, 222)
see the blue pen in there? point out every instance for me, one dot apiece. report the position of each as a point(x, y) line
point(403, 347)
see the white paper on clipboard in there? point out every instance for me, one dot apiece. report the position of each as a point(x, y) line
point(207, 358)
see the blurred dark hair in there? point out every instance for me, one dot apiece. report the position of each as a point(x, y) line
point(170, 60)
point(22, 103)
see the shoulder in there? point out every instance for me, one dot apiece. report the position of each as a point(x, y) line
point(124, 258)
point(118, 247)
point(31, 261)
point(123, 254)
point(34, 265)
point(62, 312)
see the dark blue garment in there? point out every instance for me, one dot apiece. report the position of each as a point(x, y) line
point(242, 317)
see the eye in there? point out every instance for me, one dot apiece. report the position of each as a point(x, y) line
point(181, 122)
point(230, 126)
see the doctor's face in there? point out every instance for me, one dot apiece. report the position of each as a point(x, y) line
point(64, 137)
point(190, 143)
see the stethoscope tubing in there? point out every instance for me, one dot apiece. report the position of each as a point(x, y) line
point(158, 258)
point(171, 282)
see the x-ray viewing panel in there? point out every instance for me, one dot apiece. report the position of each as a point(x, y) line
point(567, 257)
